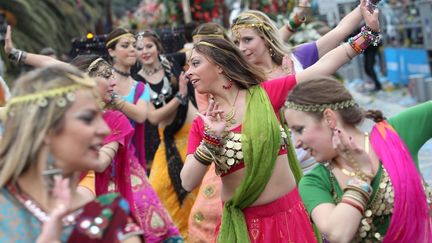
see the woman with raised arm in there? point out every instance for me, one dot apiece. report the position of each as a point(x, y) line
point(54, 127)
point(367, 187)
point(241, 134)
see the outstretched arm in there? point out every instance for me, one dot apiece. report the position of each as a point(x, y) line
point(31, 59)
point(333, 60)
point(346, 26)
point(299, 13)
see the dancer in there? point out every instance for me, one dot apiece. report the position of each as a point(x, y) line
point(54, 127)
point(367, 187)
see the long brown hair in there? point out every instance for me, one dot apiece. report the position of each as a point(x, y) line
point(226, 55)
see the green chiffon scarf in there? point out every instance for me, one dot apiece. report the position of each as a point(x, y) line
point(260, 145)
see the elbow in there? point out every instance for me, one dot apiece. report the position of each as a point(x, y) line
point(187, 184)
point(336, 235)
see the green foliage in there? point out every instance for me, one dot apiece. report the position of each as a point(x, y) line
point(52, 23)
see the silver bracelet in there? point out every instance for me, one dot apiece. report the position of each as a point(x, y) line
point(17, 55)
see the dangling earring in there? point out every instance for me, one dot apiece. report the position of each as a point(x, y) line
point(228, 85)
point(271, 52)
point(50, 172)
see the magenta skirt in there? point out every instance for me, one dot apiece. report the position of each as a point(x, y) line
point(283, 220)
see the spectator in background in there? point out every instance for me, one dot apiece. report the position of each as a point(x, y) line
point(49, 51)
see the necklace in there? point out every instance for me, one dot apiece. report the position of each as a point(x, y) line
point(229, 118)
point(151, 71)
point(124, 74)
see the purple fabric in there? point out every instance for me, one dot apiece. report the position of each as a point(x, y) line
point(307, 54)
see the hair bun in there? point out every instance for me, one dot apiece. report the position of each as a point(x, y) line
point(375, 115)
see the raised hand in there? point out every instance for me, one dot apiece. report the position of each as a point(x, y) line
point(370, 16)
point(354, 156)
point(51, 230)
point(214, 119)
point(288, 65)
point(183, 81)
point(8, 40)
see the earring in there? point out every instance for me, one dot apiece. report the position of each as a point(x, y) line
point(228, 86)
point(271, 51)
point(50, 172)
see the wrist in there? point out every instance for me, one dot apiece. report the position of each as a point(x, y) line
point(17, 55)
point(183, 99)
point(364, 39)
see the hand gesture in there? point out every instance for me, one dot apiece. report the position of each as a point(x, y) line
point(8, 40)
point(183, 81)
point(214, 119)
point(370, 16)
point(52, 228)
point(303, 3)
point(288, 64)
point(352, 154)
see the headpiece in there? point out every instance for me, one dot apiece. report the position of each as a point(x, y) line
point(61, 94)
point(205, 43)
point(321, 107)
point(94, 64)
point(220, 36)
point(259, 24)
point(118, 38)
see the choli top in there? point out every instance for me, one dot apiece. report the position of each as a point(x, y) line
point(231, 155)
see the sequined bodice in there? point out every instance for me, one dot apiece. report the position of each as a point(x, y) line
point(231, 154)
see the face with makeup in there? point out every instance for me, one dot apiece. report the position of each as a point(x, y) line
point(124, 52)
point(252, 45)
point(311, 134)
point(76, 145)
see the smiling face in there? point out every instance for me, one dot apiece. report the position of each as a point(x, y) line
point(202, 73)
point(76, 146)
point(124, 52)
point(252, 45)
point(147, 51)
point(312, 135)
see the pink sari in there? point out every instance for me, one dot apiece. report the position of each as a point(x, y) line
point(411, 221)
point(127, 176)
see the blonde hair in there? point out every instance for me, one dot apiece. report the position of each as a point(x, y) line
point(266, 28)
point(26, 129)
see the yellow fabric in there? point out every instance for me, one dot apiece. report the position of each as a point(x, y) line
point(89, 182)
point(161, 182)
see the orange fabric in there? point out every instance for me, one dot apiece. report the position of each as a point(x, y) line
point(89, 182)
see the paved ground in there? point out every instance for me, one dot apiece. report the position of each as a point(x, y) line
point(391, 102)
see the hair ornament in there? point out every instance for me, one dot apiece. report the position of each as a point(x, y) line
point(205, 43)
point(198, 36)
point(61, 95)
point(321, 107)
point(94, 64)
point(130, 35)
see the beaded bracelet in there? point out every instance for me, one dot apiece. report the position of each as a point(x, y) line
point(365, 38)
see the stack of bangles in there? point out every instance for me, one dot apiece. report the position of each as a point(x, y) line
point(17, 56)
point(295, 21)
point(117, 102)
point(365, 38)
point(357, 194)
point(205, 151)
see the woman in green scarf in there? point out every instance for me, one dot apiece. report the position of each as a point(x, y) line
point(241, 134)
